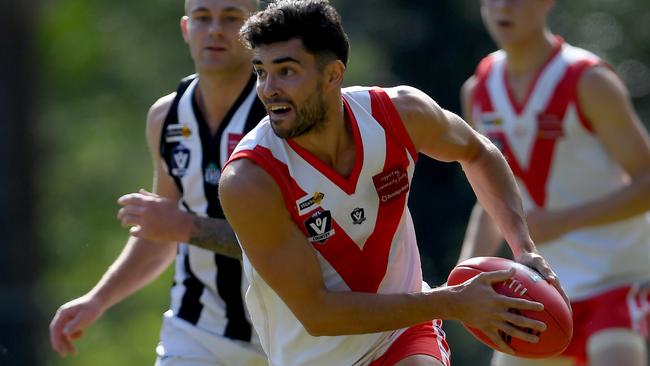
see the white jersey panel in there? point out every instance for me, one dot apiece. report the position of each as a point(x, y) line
point(194, 198)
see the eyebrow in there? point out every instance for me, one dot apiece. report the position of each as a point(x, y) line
point(230, 9)
point(281, 60)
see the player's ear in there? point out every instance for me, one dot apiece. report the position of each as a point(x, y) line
point(334, 72)
point(184, 20)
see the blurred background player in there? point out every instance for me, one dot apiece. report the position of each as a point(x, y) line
point(329, 245)
point(190, 134)
point(581, 157)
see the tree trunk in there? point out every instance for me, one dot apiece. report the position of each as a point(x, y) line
point(20, 321)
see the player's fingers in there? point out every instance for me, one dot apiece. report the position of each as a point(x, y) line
point(76, 335)
point(502, 346)
point(132, 199)
point(519, 333)
point(130, 210)
point(130, 221)
point(136, 231)
point(57, 339)
point(558, 286)
point(147, 193)
point(524, 322)
point(522, 304)
point(496, 276)
point(73, 326)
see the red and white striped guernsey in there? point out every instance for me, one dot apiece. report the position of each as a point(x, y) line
point(559, 161)
point(359, 227)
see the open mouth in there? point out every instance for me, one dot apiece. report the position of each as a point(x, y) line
point(504, 23)
point(279, 110)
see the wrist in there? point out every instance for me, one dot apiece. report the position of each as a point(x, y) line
point(523, 246)
point(441, 300)
point(186, 226)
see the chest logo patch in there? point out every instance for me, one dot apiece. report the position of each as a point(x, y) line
point(358, 216)
point(391, 183)
point(180, 160)
point(319, 226)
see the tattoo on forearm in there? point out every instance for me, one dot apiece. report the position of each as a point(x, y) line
point(215, 235)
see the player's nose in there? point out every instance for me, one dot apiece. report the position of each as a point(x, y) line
point(267, 88)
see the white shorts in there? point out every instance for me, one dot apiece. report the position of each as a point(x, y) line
point(182, 344)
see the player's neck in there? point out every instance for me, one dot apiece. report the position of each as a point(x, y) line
point(333, 143)
point(218, 91)
point(526, 57)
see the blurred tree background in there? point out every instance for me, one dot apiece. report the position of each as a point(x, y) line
point(77, 78)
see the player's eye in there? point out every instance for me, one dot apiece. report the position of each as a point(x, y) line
point(285, 71)
point(260, 73)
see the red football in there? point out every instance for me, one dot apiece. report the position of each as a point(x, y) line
point(527, 284)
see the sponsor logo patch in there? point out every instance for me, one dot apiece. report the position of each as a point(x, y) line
point(319, 226)
point(233, 140)
point(490, 120)
point(306, 204)
point(177, 132)
point(391, 183)
point(549, 126)
point(212, 174)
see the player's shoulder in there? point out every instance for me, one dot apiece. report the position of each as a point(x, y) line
point(161, 107)
point(468, 87)
point(159, 110)
point(156, 118)
point(411, 101)
point(244, 179)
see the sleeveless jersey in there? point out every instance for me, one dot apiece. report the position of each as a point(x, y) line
point(359, 227)
point(560, 162)
point(208, 287)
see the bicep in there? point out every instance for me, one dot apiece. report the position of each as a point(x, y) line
point(606, 104)
point(274, 245)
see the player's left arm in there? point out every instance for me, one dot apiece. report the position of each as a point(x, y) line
point(605, 102)
point(442, 135)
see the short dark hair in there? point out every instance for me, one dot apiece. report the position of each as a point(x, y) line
point(315, 22)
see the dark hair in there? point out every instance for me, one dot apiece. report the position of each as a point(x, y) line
point(315, 22)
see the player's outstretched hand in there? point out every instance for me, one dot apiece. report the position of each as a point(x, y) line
point(153, 217)
point(479, 306)
point(539, 264)
point(70, 321)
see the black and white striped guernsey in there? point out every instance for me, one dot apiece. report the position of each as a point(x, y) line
point(208, 287)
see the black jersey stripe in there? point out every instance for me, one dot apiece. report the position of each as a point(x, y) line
point(172, 119)
point(229, 277)
point(191, 306)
